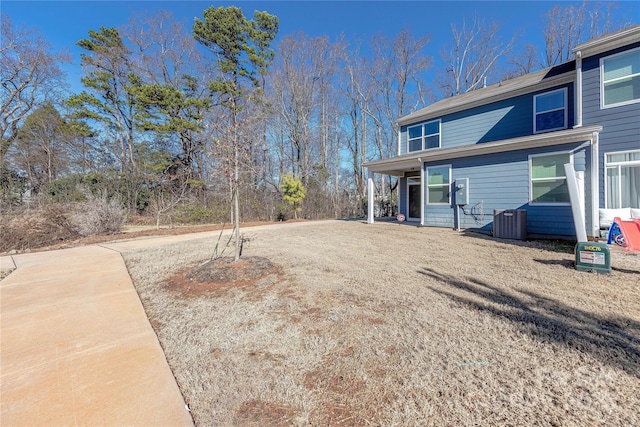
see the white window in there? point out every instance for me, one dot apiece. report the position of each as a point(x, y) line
point(439, 185)
point(620, 79)
point(622, 188)
point(424, 136)
point(548, 182)
point(550, 111)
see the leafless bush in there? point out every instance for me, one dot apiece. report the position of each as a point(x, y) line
point(30, 228)
point(100, 214)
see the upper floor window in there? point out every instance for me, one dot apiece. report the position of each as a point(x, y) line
point(620, 78)
point(548, 179)
point(550, 111)
point(424, 136)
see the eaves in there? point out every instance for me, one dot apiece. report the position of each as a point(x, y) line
point(398, 165)
point(494, 93)
point(608, 42)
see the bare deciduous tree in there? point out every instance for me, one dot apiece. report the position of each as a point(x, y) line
point(30, 75)
point(472, 59)
point(397, 88)
point(301, 81)
point(567, 26)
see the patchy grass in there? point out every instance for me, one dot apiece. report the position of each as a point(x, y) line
point(348, 324)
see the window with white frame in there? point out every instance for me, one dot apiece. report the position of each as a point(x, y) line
point(550, 111)
point(548, 181)
point(439, 185)
point(424, 136)
point(622, 179)
point(620, 78)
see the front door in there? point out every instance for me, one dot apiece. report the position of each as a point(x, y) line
point(413, 190)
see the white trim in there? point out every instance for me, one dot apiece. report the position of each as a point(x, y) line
point(555, 153)
point(500, 91)
point(609, 41)
point(603, 106)
point(422, 191)
point(578, 91)
point(423, 136)
point(565, 108)
point(448, 203)
point(618, 165)
point(398, 165)
point(595, 186)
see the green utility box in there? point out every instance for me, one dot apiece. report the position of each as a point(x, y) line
point(593, 256)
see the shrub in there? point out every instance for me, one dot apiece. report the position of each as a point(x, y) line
point(35, 228)
point(100, 214)
point(198, 214)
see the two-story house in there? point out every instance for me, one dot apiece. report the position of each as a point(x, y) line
point(507, 145)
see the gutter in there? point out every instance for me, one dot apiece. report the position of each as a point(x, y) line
point(521, 143)
point(578, 91)
point(510, 91)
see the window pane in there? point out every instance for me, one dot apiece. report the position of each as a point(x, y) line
point(623, 157)
point(415, 132)
point(438, 176)
point(432, 141)
point(549, 166)
point(439, 194)
point(622, 65)
point(415, 144)
point(630, 183)
point(549, 101)
point(431, 128)
point(551, 120)
point(622, 90)
point(550, 191)
point(613, 188)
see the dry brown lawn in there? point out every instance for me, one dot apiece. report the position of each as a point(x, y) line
point(348, 324)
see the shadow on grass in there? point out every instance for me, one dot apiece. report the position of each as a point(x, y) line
point(558, 246)
point(613, 340)
point(563, 262)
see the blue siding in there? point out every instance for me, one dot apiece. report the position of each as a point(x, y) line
point(510, 118)
point(621, 124)
point(501, 181)
point(403, 140)
point(402, 197)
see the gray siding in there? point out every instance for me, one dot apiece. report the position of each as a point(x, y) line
point(621, 125)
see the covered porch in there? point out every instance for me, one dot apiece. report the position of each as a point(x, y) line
point(412, 169)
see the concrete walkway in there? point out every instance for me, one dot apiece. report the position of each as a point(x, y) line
point(76, 347)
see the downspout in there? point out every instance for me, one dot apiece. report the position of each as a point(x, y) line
point(595, 185)
point(578, 95)
point(399, 142)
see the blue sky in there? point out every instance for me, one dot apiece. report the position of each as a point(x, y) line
point(63, 23)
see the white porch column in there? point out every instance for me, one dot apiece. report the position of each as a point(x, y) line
point(370, 198)
point(595, 185)
point(422, 191)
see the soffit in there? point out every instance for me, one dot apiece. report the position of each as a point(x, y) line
point(396, 166)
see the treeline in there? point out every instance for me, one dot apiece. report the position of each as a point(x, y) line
point(201, 123)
